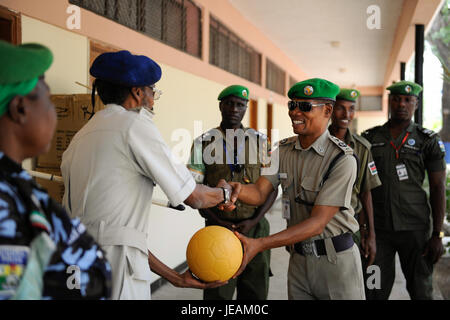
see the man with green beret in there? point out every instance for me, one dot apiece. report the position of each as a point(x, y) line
point(403, 153)
point(316, 172)
point(239, 154)
point(367, 179)
point(40, 246)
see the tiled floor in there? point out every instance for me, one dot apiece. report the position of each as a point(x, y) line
point(279, 266)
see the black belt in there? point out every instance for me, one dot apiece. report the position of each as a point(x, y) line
point(317, 247)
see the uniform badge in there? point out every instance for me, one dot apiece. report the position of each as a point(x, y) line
point(244, 93)
point(408, 89)
point(308, 90)
point(353, 94)
point(402, 172)
point(13, 261)
point(411, 142)
point(442, 146)
point(372, 168)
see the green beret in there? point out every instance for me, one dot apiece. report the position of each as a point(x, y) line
point(348, 94)
point(235, 90)
point(23, 62)
point(20, 69)
point(407, 88)
point(314, 89)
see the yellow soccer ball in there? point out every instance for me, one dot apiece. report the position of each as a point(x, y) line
point(214, 253)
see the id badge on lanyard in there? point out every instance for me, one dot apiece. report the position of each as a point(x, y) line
point(402, 172)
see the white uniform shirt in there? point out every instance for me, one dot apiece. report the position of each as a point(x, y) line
point(109, 169)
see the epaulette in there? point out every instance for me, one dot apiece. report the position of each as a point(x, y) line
point(288, 141)
point(427, 132)
point(362, 140)
point(342, 145)
point(256, 133)
point(369, 131)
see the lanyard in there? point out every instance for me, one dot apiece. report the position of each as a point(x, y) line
point(233, 165)
point(400, 146)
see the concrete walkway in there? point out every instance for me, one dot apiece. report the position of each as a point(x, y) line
point(279, 267)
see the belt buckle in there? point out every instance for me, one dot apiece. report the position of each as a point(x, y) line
point(309, 249)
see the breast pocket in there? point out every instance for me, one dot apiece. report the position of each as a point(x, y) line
point(287, 187)
point(308, 192)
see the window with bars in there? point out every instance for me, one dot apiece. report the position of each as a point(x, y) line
point(275, 78)
point(174, 22)
point(229, 52)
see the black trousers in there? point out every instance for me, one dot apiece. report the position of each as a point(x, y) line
point(418, 271)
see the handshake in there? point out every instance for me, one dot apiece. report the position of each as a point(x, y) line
point(233, 188)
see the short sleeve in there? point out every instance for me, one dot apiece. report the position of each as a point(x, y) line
point(196, 165)
point(434, 155)
point(156, 161)
point(371, 180)
point(337, 189)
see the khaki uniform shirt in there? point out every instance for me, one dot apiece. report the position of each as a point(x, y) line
point(301, 173)
point(212, 159)
point(401, 203)
point(367, 172)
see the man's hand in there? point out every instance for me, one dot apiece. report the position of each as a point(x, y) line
point(368, 245)
point(244, 226)
point(251, 248)
point(235, 188)
point(187, 280)
point(433, 250)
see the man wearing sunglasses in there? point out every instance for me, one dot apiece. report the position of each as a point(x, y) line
point(111, 167)
point(316, 172)
point(237, 146)
point(404, 151)
point(343, 114)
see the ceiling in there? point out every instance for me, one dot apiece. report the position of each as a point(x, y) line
point(305, 30)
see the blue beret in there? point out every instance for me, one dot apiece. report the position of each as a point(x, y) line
point(126, 69)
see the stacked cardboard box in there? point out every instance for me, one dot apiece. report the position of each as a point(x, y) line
point(73, 111)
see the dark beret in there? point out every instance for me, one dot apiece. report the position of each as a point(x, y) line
point(126, 69)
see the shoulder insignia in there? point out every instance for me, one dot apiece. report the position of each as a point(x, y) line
point(428, 132)
point(256, 133)
point(342, 145)
point(370, 131)
point(288, 141)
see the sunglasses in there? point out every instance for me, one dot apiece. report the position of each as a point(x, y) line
point(304, 106)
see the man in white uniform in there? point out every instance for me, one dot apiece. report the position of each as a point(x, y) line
point(112, 165)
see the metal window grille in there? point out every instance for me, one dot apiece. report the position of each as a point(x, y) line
point(174, 22)
point(229, 52)
point(275, 78)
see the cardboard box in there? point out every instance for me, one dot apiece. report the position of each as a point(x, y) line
point(73, 113)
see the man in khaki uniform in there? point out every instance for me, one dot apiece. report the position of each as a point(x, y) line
point(343, 114)
point(317, 172)
point(242, 153)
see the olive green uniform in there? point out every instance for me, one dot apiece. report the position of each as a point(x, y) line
point(334, 275)
point(253, 283)
point(401, 208)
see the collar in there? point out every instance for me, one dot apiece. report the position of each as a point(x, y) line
point(8, 166)
point(349, 140)
point(319, 145)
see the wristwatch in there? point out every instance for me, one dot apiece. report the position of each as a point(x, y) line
point(226, 195)
point(439, 234)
